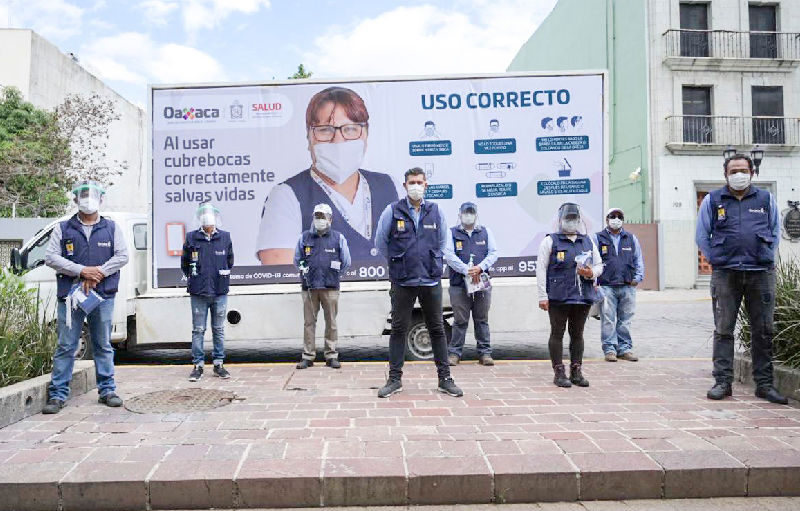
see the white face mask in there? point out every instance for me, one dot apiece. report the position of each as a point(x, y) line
point(415, 191)
point(570, 226)
point(88, 205)
point(739, 181)
point(468, 218)
point(208, 219)
point(320, 224)
point(615, 224)
point(339, 160)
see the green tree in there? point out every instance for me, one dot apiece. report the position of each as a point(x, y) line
point(302, 72)
point(43, 153)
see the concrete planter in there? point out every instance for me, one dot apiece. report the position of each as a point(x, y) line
point(28, 397)
point(787, 380)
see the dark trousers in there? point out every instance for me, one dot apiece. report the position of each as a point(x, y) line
point(430, 298)
point(570, 317)
point(728, 287)
point(478, 303)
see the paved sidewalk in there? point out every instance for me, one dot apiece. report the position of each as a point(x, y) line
point(320, 437)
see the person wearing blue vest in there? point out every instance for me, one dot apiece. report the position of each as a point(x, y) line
point(90, 250)
point(412, 234)
point(623, 269)
point(566, 268)
point(206, 262)
point(738, 232)
point(322, 256)
point(470, 243)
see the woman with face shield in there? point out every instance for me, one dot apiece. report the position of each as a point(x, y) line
point(206, 262)
point(568, 264)
point(337, 128)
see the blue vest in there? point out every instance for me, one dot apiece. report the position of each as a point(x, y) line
point(740, 229)
point(210, 257)
point(95, 251)
point(464, 245)
point(619, 268)
point(309, 194)
point(414, 253)
point(318, 252)
point(561, 271)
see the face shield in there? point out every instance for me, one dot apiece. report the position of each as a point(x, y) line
point(207, 216)
point(569, 218)
point(468, 215)
point(88, 196)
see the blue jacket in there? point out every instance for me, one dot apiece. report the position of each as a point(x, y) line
point(94, 251)
point(207, 263)
point(415, 249)
point(564, 285)
point(465, 245)
point(322, 255)
point(740, 234)
point(619, 261)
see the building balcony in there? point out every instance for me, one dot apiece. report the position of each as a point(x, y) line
point(704, 134)
point(727, 50)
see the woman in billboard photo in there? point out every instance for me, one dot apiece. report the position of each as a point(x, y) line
point(337, 127)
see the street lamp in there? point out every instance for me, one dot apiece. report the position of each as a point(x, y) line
point(757, 154)
point(729, 152)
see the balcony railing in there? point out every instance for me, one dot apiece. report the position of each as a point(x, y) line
point(728, 44)
point(712, 131)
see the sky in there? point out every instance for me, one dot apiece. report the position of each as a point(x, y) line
point(132, 43)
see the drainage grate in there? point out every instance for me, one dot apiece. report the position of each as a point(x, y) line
point(179, 400)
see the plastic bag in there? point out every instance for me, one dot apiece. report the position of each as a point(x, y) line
point(484, 283)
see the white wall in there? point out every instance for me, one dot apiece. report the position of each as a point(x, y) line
point(46, 76)
point(677, 177)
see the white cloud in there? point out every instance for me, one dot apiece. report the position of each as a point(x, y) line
point(156, 12)
point(134, 58)
point(52, 19)
point(482, 36)
point(198, 14)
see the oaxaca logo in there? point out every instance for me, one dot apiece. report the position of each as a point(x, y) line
point(190, 114)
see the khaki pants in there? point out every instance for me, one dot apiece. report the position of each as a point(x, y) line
point(312, 299)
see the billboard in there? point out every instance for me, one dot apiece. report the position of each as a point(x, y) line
point(264, 155)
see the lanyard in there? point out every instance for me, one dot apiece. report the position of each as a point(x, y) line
point(336, 199)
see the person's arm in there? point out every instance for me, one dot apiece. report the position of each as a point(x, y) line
point(55, 260)
point(541, 267)
point(638, 276)
point(453, 261)
point(492, 256)
point(298, 252)
point(775, 226)
point(382, 232)
point(281, 225)
point(345, 250)
point(230, 252)
point(444, 232)
point(120, 257)
point(185, 256)
point(703, 232)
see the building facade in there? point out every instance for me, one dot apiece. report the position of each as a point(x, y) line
point(718, 73)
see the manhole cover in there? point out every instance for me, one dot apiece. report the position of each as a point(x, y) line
point(179, 400)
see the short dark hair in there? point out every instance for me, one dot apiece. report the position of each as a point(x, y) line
point(429, 122)
point(545, 121)
point(415, 171)
point(351, 104)
point(494, 120)
point(561, 120)
point(738, 156)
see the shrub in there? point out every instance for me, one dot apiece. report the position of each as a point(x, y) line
point(27, 341)
point(786, 344)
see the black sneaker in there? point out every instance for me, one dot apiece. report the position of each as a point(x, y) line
point(221, 372)
point(333, 363)
point(111, 399)
point(391, 387)
point(772, 395)
point(720, 390)
point(53, 406)
point(305, 364)
point(448, 386)
point(197, 373)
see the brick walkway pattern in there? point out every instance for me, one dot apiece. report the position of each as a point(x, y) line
point(321, 437)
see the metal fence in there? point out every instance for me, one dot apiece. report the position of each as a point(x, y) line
point(728, 44)
point(724, 130)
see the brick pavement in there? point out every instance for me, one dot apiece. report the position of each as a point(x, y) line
point(320, 437)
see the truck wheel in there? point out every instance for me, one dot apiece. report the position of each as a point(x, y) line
point(85, 350)
point(418, 340)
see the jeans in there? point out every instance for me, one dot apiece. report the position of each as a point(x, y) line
point(200, 308)
point(618, 308)
point(100, 323)
point(430, 298)
point(329, 300)
point(560, 315)
point(728, 288)
point(478, 303)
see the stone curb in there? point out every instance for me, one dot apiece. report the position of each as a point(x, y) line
point(28, 397)
point(787, 380)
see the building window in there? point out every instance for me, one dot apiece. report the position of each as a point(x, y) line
point(697, 126)
point(694, 17)
point(763, 31)
point(768, 127)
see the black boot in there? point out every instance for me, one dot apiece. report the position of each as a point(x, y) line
point(560, 378)
point(576, 376)
point(720, 390)
point(772, 395)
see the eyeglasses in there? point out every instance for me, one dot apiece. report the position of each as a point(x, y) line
point(615, 215)
point(349, 131)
